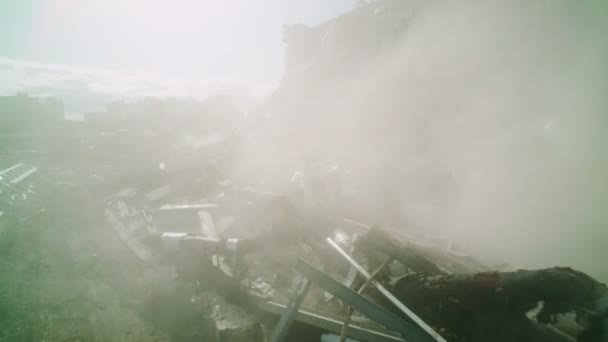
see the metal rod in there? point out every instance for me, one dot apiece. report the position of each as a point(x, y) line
point(24, 175)
point(10, 168)
point(280, 331)
point(409, 331)
point(333, 323)
point(409, 313)
point(349, 309)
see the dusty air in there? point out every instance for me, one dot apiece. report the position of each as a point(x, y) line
point(303, 171)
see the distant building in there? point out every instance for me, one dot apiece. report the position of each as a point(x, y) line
point(179, 115)
point(22, 112)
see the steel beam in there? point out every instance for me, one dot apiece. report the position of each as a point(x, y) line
point(333, 324)
point(280, 330)
point(409, 313)
point(10, 168)
point(411, 332)
point(24, 175)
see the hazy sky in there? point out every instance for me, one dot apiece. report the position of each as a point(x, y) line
point(239, 39)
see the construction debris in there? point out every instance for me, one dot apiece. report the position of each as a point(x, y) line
point(427, 294)
point(256, 262)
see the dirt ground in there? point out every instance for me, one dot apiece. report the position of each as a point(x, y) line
point(66, 276)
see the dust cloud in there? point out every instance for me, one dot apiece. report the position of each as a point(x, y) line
point(484, 121)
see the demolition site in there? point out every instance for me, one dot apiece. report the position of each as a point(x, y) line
point(395, 186)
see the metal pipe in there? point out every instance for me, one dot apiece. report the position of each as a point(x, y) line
point(349, 309)
point(280, 331)
point(409, 313)
point(410, 331)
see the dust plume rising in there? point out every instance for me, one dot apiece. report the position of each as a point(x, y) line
point(485, 121)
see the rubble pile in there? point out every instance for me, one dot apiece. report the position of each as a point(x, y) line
point(316, 217)
point(253, 268)
point(268, 257)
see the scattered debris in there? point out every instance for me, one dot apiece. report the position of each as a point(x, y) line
point(439, 294)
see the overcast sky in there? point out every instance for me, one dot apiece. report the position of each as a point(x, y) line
point(178, 38)
point(89, 51)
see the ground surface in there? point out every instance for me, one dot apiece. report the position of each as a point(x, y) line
point(64, 275)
